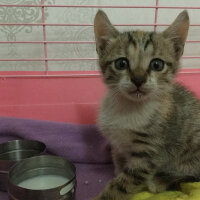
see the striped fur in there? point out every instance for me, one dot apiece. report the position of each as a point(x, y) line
point(152, 123)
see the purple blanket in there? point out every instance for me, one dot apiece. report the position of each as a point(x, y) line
point(82, 144)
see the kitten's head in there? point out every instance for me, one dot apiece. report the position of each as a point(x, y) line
point(140, 65)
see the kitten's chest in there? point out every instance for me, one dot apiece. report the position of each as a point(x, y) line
point(121, 121)
point(126, 118)
point(119, 127)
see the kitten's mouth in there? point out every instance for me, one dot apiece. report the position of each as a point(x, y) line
point(137, 93)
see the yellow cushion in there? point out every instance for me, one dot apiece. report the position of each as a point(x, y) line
point(189, 191)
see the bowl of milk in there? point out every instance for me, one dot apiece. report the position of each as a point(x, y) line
point(14, 151)
point(43, 177)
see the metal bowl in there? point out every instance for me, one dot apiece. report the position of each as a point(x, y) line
point(14, 151)
point(42, 178)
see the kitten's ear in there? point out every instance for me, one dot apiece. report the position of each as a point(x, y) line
point(103, 30)
point(178, 32)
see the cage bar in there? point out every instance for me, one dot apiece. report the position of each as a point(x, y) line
point(53, 24)
point(103, 6)
point(44, 37)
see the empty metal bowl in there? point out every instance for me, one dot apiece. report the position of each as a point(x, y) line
point(14, 151)
point(42, 178)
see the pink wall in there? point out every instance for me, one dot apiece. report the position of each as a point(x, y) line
point(63, 99)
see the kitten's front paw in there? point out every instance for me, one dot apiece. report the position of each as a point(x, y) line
point(156, 186)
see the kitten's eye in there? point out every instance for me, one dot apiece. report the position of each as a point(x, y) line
point(121, 63)
point(157, 64)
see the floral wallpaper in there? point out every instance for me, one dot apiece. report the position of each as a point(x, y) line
point(78, 33)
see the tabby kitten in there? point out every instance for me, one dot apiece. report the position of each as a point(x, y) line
point(152, 123)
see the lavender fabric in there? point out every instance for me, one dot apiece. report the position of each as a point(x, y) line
point(82, 144)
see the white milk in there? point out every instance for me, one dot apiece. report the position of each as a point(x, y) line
point(43, 182)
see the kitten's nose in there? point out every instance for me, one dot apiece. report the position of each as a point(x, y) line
point(138, 81)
